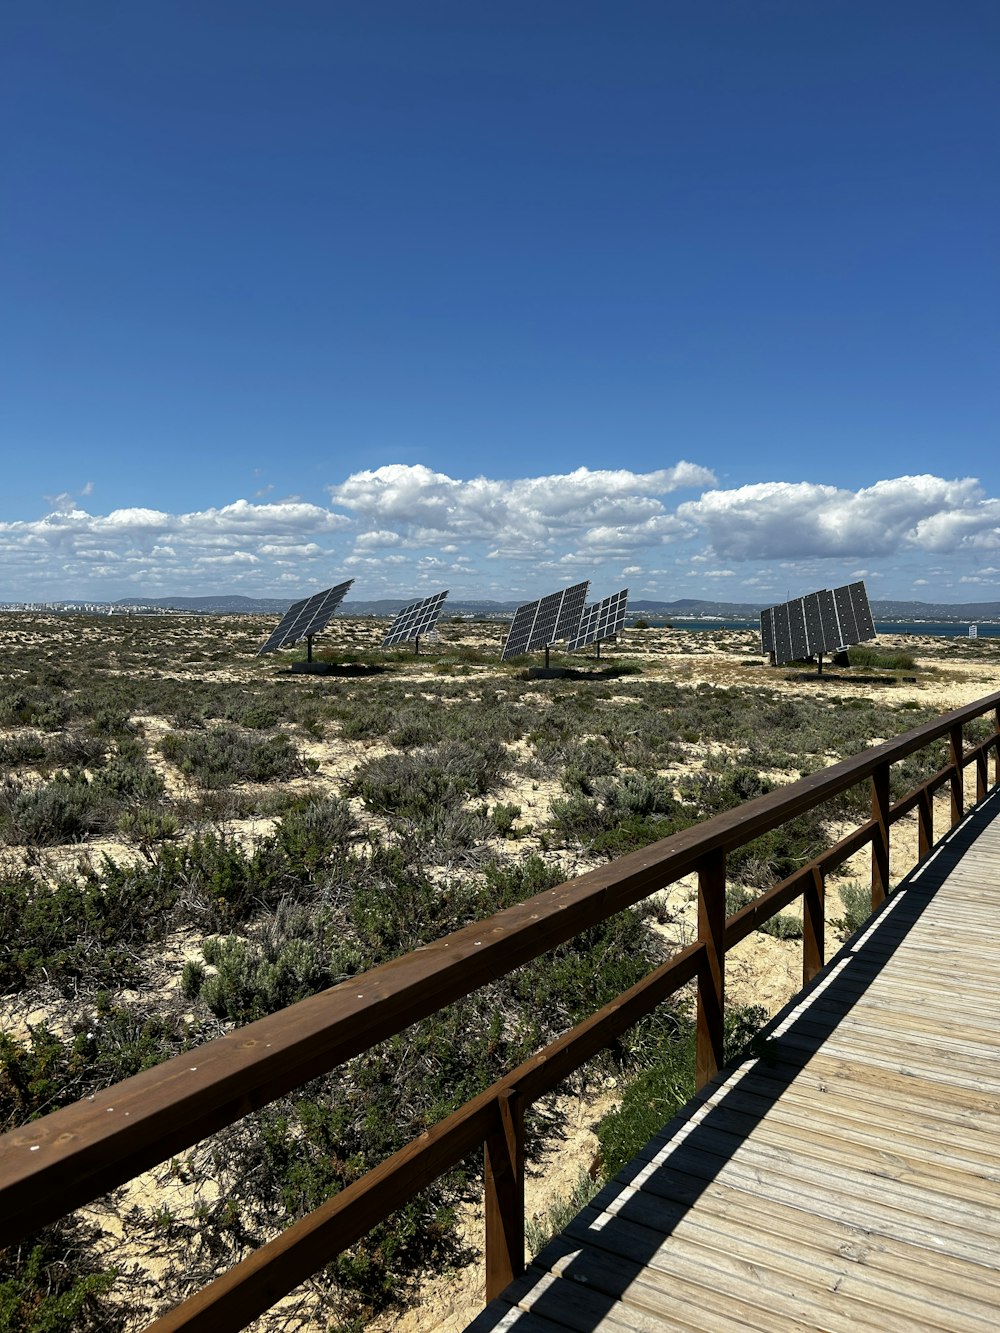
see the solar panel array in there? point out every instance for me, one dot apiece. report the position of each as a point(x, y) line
point(416, 619)
point(601, 620)
point(543, 622)
point(822, 622)
point(304, 619)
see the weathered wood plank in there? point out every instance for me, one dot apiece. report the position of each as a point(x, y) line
point(849, 1178)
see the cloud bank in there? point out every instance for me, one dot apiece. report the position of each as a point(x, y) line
point(404, 529)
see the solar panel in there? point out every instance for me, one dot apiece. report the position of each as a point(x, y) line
point(798, 637)
point(828, 619)
point(864, 625)
point(304, 619)
point(416, 619)
point(767, 631)
point(821, 622)
point(538, 624)
point(601, 620)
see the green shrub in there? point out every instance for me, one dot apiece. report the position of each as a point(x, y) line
point(53, 1282)
point(622, 814)
point(413, 785)
point(107, 1044)
point(857, 903)
point(21, 749)
point(310, 834)
point(223, 755)
point(663, 1087)
point(87, 930)
point(251, 980)
point(64, 810)
point(782, 926)
point(881, 659)
point(502, 817)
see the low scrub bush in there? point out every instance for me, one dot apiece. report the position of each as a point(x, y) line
point(21, 749)
point(881, 659)
point(67, 809)
point(415, 784)
point(107, 1043)
point(52, 1282)
point(621, 814)
point(223, 755)
point(857, 903)
point(252, 979)
point(88, 930)
point(781, 926)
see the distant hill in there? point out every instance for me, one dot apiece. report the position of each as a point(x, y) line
point(683, 607)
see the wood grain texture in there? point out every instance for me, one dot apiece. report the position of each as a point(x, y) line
point(848, 1177)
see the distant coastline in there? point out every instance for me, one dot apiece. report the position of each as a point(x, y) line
point(891, 617)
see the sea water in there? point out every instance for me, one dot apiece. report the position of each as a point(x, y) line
point(939, 629)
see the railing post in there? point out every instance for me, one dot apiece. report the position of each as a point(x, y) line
point(880, 838)
point(982, 776)
point(712, 973)
point(504, 1185)
point(925, 824)
point(957, 777)
point(996, 751)
point(813, 927)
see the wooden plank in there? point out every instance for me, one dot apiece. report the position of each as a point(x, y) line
point(826, 1278)
point(753, 1290)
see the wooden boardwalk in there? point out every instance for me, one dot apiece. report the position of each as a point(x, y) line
point(849, 1176)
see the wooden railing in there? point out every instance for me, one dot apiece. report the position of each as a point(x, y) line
point(67, 1159)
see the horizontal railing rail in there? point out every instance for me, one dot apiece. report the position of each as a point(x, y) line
point(72, 1156)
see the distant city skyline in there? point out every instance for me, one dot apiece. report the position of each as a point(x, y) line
point(701, 300)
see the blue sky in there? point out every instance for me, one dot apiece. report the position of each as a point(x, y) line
point(700, 298)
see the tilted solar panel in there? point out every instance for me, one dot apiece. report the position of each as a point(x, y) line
point(767, 631)
point(854, 617)
point(822, 622)
point(601, 620)
point(543, 622)
point(782, 637)
point(414, 620)
point(828, 620)
point(304, 619)
point(797, 629)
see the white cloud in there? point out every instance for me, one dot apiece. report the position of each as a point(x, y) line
point(401, 526)
point(380, 537)
point(432, 508)
point(41, 554)
point(780, 520)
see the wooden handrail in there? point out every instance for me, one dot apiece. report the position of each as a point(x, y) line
point(55, 1164)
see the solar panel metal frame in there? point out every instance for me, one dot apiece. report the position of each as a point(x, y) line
point(601, 620)
point(829, 621)
point(414, 620)
point(767, 631)
point(306, 618)
point(543, 622)
point(822, 622)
